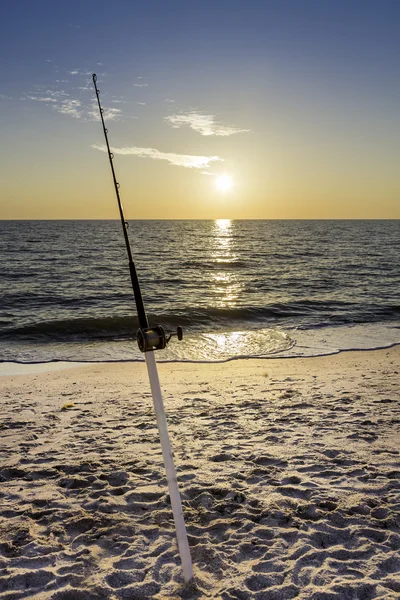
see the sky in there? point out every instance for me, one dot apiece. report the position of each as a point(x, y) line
point(256, 109)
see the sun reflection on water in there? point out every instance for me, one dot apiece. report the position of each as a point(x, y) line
point(226, 285)
point(223, 224)
point(225, 345)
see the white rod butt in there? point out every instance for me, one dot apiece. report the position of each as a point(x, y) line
point(173, 489)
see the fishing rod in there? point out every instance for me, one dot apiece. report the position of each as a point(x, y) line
point(150, 339)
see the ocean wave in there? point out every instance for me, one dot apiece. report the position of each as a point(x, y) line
point(304, 314)
point(216, 264)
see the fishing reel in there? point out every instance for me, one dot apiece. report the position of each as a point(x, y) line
point(155, 338)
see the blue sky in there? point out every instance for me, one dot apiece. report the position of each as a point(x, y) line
point(298, 97)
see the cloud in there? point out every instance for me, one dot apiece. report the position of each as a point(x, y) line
point(56, 93)
point(41, 98)
point(109, 114)
point(70, 107)
point(81, 72)
point(140, 84)
point(204, 124)
point(48, 95)
point(179, 160)
point(69, 100)
point(141, 103)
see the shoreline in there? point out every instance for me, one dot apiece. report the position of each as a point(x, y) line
point(213, 347)
point(9, 367)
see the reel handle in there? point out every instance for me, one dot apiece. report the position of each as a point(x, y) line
point(179, 334)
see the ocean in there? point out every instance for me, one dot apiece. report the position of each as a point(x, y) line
point(238, 288)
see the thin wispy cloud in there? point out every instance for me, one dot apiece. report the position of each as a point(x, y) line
point(72, 108)
point(75, 108)
point(179, 160)
point(81, 72)
point(73, 103)
point(47, 96)
point(203, 124)
point(41, 98)
point(56, 93)
point(140, 84)
point(109, 114)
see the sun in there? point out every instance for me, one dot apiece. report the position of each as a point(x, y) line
point(224, 183)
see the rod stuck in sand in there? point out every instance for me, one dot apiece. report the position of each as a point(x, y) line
point(150, 339)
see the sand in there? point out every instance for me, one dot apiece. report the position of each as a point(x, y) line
point(289, 471)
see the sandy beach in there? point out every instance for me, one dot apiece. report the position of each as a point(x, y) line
point(289, 472)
